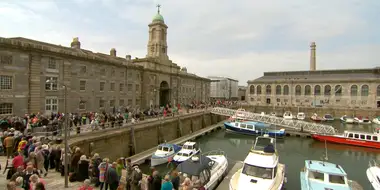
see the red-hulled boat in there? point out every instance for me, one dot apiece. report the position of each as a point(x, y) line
point(355, 138)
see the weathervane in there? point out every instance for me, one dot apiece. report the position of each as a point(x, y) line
point(158, 8)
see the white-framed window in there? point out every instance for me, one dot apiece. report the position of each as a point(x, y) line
point(82, 85)
point(121, 87)
point(6, 59)
point(112, 103)
point(101, 103)
point(6, 108)
point(51, 83)
point(6, 82)
point(112, 86)
point(51, 104)
point(82, 105)
point(83, 69)
point(52, 64)
point(121, 102)
point(101, 86)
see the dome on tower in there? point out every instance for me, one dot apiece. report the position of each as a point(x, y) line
point(158, 17)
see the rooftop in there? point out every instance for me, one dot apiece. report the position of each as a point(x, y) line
point(325, 167)
point(221, 78)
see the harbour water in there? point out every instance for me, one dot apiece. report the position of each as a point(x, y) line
point(294, 151)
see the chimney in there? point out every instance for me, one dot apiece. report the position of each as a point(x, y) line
point(313, 63)
point(113, 52)
point(75, 43)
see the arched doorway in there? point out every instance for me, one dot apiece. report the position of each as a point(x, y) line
point(164, 93)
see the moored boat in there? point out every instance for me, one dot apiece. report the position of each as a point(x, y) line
point(288, 115)
point(188, 150)
point(362, 120)
point(272, 114)
point(355, 138)
point(210, 168)
point(346, 119)
point(316, 118)
point(261, 168)
point(252, 128)
point(373, 174)
point(301, 116)
point(164, 153)
point(376, 120)
point(328, 117)
point(323, 175)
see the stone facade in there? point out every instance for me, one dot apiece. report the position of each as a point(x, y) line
point(223, 88)
point(242, 93)
point(356, 88)
point(34, 76)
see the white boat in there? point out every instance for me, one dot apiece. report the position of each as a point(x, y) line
point(261, 168)
point(262, 113)
point(301, 116)
point(288, 115)
point(373, 174)
point(164, 153)
point(346, 119)
point(272, 114)
point(210, 168)
point(362, 120)
point(328, 117)
point(376, 120)
point(188, 150)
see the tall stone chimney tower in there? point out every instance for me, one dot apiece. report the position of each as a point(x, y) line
point(313, 63)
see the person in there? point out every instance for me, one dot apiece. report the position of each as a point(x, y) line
point(19, 173)
point(119, 167)
point(154, 183)
point(9, 144)
point(129, 173)
point(34, 182)
point(82, 170)
point(103, 167)
point(18, 160)
point(19, 182)
point(198, 185)
point(96, 160)
point(175, 180)
point(86, 185)
point(186, 185)
point(136, 178)
point(11, 185)
point(40, 186)
point(112, 179)
point(167, 185)
point(28, 173)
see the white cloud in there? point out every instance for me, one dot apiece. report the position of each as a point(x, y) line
point(239, 39)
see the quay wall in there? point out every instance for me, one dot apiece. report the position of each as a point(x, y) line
point(309, 111)
point(125, 142)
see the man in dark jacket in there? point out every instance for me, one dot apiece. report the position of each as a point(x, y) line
point(112, 179)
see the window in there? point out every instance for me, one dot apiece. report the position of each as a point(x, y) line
point(121, 102)
point(83, 69)
point(354, 90)
point(112, 86)
point(338, 90)
point(6, 82)
point(138, 76)
point(129, 75)
point(298, 90)
point(317, 90)
point(121, 74)
point(252, 89)
point(286, 90)
point(51, 83)
point(249, 126)
point(101, 87)
point(350, 135)
point(336, 179)
point(51, 104)
point(6, 108)
point(268, 90)
point(129, 102)
point(237, 124)
point(112, 103)
point(82, 105)
point(113, 72)
point(82, 85)
point(137, 88)
point(364, 91)
point(378, 91)
point(138, 102)
point(6, 60)
point(103, 72)
point(129, 87)
point(52, 64)
point(374, 138)
point(362, 137)
point(307, 90)
point(356, 136)
point(243, 126)
point(121, 87)
point(316, 175)
point(101, 103)
point(278, 90)
point(327, 90)
point(258, 90)
point(256, 171)
point(368, 137)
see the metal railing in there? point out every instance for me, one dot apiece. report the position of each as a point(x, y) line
point(278, 121)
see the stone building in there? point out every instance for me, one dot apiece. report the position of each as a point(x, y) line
point(34, 76)
point(223, 88)
point(242, 93)
point(350, 88)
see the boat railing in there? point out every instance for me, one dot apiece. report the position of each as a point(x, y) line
point(373, 163)
point(215, 152)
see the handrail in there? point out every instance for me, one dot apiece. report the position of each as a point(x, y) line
point(215, 152)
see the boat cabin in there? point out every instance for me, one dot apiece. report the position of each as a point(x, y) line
point(167, 148)
point(363, 136)
point(190, 146)
point(197, 167)
point(264, 144)
point(325, 173)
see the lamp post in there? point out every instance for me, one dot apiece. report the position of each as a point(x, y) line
point(65, 131)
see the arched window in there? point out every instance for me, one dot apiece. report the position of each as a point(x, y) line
point(327, 90)
point(278, 90)
point(307, 90)
point(298, 90)
point(365, 90)
point(258, 90)
point(286, 90)
point(378, 91)
point(338, 90)
point(354, 90)
point(268, 90)
point(252, 89)
point(317, 90)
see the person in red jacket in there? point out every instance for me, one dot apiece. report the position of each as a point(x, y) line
point(18, 160)
point(86, 185)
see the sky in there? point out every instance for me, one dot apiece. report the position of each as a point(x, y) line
point(239, 39)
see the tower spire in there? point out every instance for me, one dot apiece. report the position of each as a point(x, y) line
point(158, 8)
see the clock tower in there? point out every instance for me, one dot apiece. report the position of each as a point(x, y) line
point(157, 46)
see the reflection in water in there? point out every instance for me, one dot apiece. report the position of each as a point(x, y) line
point(350, 151)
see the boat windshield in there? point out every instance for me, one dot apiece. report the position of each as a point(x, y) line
point(183, 154)
point(337, 179)
point(187, 147)
point(328, 116)
point(261, 143)
point(256, 171)
point(164, 148)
